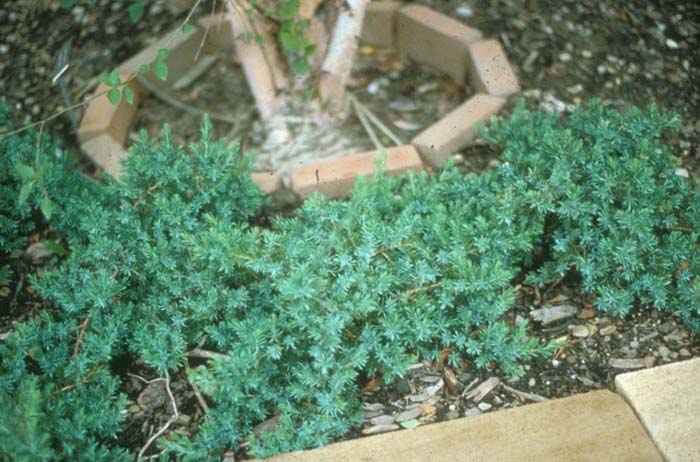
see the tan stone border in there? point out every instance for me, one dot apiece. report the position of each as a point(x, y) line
point(417, 32)
point(590, 427)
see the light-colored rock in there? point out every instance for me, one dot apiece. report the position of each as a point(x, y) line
point(434, 39)
point(379, 26)
point(591, 427)
point(456, 130)
point(667, 401)
point(489, 69)
point(483, 407)
point(549, 314)
point(334, 178)
point(578, 331)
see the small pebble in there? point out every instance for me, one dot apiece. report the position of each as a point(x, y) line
point(464, 11)
point(579, 331)
point(672, 44)
point(664, 351)
point(532, 382)
point(682, 172)
point(483, 407)
point(684, 352)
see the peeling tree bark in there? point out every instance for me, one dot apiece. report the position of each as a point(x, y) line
point(261, 62)
point(335, 72)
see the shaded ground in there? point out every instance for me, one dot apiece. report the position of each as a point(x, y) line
point(626, 53)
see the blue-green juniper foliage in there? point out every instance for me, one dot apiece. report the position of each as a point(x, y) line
point(171, 257)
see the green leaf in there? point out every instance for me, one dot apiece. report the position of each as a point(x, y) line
point(287, 9)
point(160, 69)
point(411, 424)
point(69, 3)
point(114, 78)
point(144, 68)
point(163, 54)
point(290, 41)
point(104, 78)
point(24, 192)
point(46, 207)
point(54, 247)
point(300, 66)
point(114, 96)
point(186, 28)
point(128, 94)
point(136, 11)
point(25, 172)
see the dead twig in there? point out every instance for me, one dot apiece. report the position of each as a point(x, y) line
point(421, 289)
point(524, 396)
point(365, 124)
point(173, 418)
point(205, 354)
point(83, 326)
point(197, 393)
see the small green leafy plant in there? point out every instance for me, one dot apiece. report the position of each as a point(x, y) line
point(35, 175)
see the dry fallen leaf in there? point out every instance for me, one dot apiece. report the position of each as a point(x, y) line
point(427, 410)
point(372, 385)
point(442, 358)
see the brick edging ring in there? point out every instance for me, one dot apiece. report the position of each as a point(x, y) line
point(415, 31)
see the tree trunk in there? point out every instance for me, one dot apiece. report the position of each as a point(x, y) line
point(335, 72)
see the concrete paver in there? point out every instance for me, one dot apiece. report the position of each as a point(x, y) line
point(667, 401)
point(591, 427)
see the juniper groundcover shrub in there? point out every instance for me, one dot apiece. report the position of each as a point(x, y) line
point(171, 258)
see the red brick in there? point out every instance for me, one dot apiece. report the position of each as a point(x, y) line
point(489, 70)
point(103, 117)
point(183, 50)
point(269, 182)
point(106, 152)
point(379, 27)
point(334, 178)
point(456, 130)
point(435, 39)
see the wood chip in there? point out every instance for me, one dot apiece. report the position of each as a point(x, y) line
point(383, 420)
point(428, 392)
point(621, 363)
point(376, 429)
point(408, 415)
point(549, 314)
point(524, 396)
point(480, 392)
